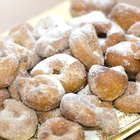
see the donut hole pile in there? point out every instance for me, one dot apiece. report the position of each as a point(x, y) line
point(61, 76)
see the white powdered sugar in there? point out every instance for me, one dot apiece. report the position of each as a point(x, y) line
point(123, 48)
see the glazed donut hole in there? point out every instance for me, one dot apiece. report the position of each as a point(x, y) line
point(45, 115)
point(123, 54)
point(125, 15)
point(129, 101)
point(85, 47)
point(78, 8)
point(67, 69)
point(108, 84)
point(41, 92)
point(90, 113)
point(19, 121)
point(60, 128)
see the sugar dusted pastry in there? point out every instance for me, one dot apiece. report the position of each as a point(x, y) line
point(106, 83)
point(17, 121)
point(45, 115)
point(129, 101)
point(125, 15)
point(60, 128)
point(81, 109)
point(80, 7)
point(123, 54)
point(41, 92)
point(85, 47)
point(67, 69)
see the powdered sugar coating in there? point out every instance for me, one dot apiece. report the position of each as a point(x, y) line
point(45, 115)
point(106, 83)
point(23, 36)
point(17, 121)
point(96, 18)
point(54, 40)
point(8, 70)
point(124, 54)
point(67, 69)
point(85, 47)
point(60, 129)
point(41, 92)
point(129, 101)
point(134, 29)
point(124, 48)
point(83, 6)
point(88, 113)
point(125, 15)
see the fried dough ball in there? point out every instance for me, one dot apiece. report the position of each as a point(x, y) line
point(132, 38)
point(135, 29)
point(13, 89)
point(54, 37)
point(106, 83)
point(125, 15)
point(60, 129)
point(67, 69)
point(17, 121)
point(8, 70)
point(4, 94)
point(130, 100)
point(23, 36)
point(80, 7)
point(85, 47)
point(123, 54)
point(43, 116)
point(82, 109)
point(96, 18)
point(41, 92)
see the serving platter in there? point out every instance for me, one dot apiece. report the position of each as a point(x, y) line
point(129, 123)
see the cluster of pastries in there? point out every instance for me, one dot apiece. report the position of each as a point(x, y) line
point(61, 76)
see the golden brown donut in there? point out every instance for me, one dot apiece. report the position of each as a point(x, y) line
point(123, 54)
point(17, 121)
point(67, 69)
point(13, 89)
point(41, 92)
point(80, 7)
point(135, 29)
point(85, 47)
point(24, 37)
point(96, 18)
point(108, 84)
point(60, 129)
point(54, 36)
point(130, 100)
point(8, 70)
point(125, 15)
point(4, 94)
point(43, 116)
point(82, 109)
